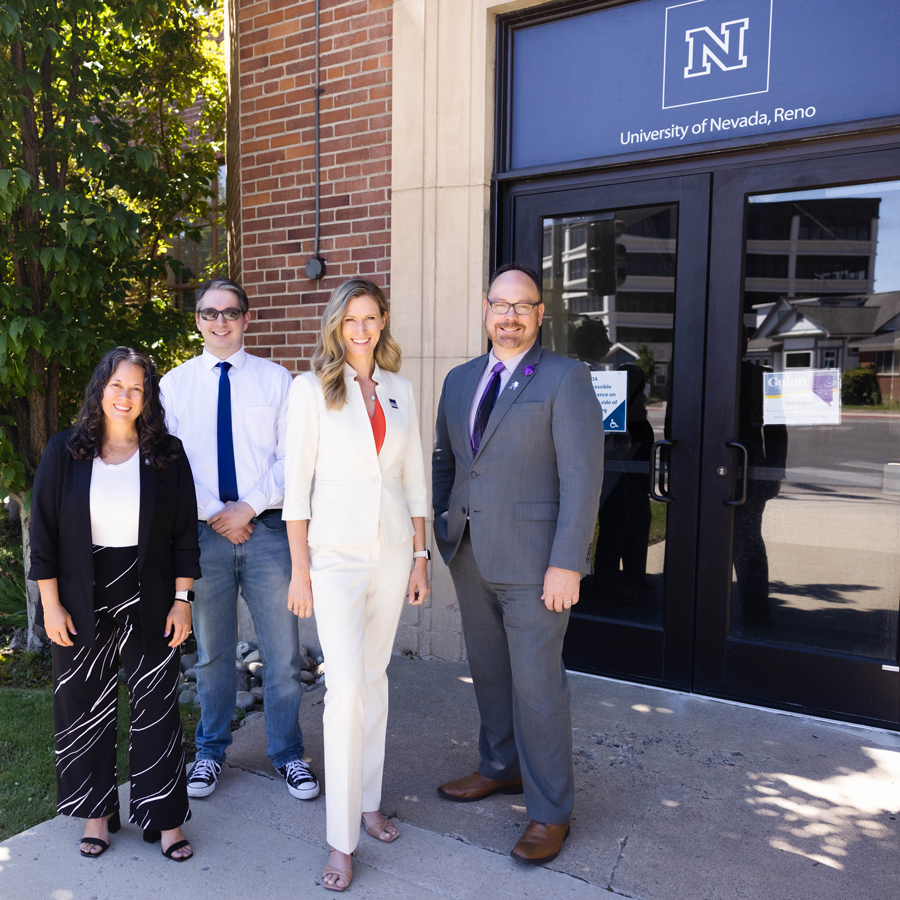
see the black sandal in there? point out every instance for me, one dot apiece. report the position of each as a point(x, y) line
point(113, 824)
point(178, 845)
point(151, 837)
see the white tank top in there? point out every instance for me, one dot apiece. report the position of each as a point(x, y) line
point(115, 502)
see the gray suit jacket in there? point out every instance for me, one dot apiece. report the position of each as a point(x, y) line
point(532, 492)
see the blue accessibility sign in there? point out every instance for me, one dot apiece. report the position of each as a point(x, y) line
point(611, 389)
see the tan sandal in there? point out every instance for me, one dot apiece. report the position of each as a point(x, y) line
point(379, 829)
point(343, 875)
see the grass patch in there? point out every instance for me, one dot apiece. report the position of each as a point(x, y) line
point(658, 512)
point(27, 776)
point(887, 406)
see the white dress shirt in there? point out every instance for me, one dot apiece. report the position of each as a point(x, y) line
point(115, 502)
point(505, 375)
point(259, 405)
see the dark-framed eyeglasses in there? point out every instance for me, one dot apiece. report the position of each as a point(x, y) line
point(232, 314)
point(501, 307)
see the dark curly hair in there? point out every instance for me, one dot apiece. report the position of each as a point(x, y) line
point(157, 446)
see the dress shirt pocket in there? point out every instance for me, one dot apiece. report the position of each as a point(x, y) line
point(259, 425)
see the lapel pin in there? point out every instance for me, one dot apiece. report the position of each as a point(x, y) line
point(394, 404)
point(528, 370)
point(515, 384)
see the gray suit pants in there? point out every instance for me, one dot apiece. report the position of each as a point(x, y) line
point(514, 644)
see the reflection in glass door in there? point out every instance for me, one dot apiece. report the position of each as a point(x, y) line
point(817, 542)
point(609, 293)
point(800, 505)
point(617, 260)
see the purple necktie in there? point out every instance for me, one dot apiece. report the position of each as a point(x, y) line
point(485, 406)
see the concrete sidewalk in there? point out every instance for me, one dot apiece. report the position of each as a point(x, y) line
point(678, 798)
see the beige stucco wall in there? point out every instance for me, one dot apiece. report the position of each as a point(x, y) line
point(442, 140)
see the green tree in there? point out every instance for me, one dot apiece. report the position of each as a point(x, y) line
point(646, 359)
point(111, 124)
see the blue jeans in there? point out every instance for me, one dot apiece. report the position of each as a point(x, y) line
point(261, 568)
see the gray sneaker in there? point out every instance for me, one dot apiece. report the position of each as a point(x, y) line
point(203, 778)
point(300, 779)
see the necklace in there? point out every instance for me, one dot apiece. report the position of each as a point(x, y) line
point(112, 451)
point(371, 396)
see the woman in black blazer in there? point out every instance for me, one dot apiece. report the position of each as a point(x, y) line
point(114, 552)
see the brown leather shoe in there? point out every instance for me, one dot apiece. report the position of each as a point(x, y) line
point(477, 787)
point(540, 843)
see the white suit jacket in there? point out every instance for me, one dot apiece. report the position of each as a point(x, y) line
point(334, 477)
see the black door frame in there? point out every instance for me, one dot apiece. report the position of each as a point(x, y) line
point(662, 655)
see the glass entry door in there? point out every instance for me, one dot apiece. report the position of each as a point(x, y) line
point(747, 542)
point(624, 289)
point(799, 587)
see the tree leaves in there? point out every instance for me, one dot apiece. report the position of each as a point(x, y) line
point(99, 172)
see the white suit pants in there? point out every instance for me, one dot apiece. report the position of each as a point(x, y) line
point(358, 595)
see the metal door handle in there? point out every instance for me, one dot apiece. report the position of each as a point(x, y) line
point(734, 445)
point(659, 496)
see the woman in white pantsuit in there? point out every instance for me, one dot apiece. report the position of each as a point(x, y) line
point(355, 510)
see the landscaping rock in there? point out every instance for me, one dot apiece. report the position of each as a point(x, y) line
point(255, 668)
point(19, 640)
point(258, 694)
point(320, 669)
point(242, 680)
point(307, 677)
point(188, 661)
point(244, 700)
point(255, 682)
point(251, 717)
point(252, 657)
point(307, 663)
point(320, 659)
point(190, 675)
point(243, 648)
point(186, 698)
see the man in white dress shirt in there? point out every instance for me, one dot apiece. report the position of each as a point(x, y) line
point(230, 411)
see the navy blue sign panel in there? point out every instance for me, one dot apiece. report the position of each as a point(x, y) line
point(660, 74)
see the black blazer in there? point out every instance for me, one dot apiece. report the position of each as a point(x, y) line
point(61, 536)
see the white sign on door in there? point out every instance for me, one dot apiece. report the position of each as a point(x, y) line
point(802, 397)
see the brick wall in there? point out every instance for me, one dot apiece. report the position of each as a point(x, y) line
point(277, 161)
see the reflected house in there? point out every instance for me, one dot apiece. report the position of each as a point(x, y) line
point(620, 270)
point(810, 280)
point(831, 332)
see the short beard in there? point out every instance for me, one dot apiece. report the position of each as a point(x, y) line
point(507, 339)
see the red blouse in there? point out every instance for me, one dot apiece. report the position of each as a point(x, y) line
point(378, 426)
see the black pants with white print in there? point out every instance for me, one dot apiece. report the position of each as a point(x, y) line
point(85, 692)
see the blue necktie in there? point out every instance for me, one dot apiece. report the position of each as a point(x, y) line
point(485, 406)
point(224, 439)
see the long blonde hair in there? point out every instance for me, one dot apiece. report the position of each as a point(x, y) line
point(328, 360)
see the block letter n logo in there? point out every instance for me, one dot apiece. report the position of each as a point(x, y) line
point(705, 47)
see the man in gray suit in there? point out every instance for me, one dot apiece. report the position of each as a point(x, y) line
point(517, 470)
